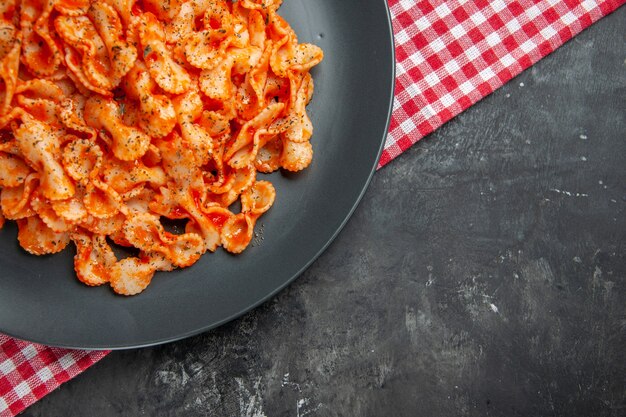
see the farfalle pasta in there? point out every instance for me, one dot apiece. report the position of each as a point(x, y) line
point(118, 114)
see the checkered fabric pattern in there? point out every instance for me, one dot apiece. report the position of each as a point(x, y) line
point(29, 371)
point(450, 54)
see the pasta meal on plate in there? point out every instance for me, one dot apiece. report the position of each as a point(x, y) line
point(117, 114)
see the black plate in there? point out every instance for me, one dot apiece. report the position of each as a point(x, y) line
point(41, 300)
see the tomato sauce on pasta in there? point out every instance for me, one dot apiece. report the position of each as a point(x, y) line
point(115, 114)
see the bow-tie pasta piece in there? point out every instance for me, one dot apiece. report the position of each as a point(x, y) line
point(101, 200)
point(158, 116)
point(301, 128)
point(296, 155)
point(70, 113)
point(188, 109)
point(37, 238)
point(124, 176)
point(138, 200)
point(268, 158)
point(97, 37)
point(40, 145)
point(297, 151)
point(257, 199)
point(43, 110)
point(15, 201)
point(127, 142)
point(130, 276)
point(251, 93)
point(235, 182)
point(216, 215)
point(41, 54)
point(103, 226)
point(216, 83)
point(81, 159)
point(205, 48)
point(253, 136)
point(77, 74)
point(168, 74)
point(179, 162)
point(186, 190)
point(13, 170)
point(145, 232)
point(10, 47)
point(94, 258)
point(237, 231)
point(72, 210)
point(46, 213)
point(121, 53)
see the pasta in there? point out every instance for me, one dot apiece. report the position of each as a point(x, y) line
point(118, 114)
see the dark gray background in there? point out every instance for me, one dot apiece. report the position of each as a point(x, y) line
point(482, 275)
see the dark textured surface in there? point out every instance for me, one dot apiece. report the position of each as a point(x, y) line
point(483, 275)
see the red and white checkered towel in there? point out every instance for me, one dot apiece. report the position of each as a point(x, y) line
point(450, 54)
point(29, 371)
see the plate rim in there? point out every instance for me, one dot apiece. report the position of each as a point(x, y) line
point(241, 312)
